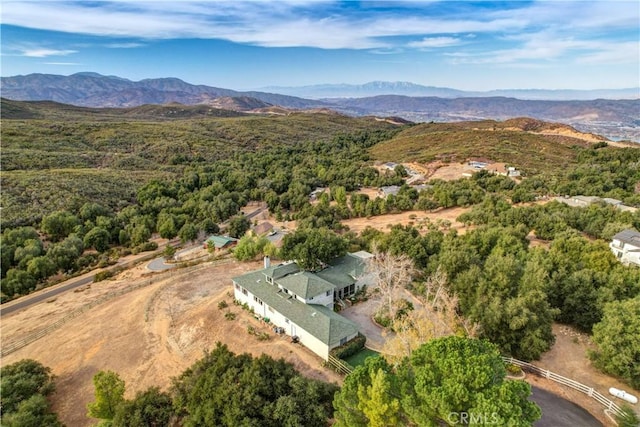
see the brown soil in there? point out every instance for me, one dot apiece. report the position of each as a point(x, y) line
point(147, 336)
point(419, 219)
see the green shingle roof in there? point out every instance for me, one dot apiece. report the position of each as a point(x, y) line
point(278, 271)
point(306, 284)
point(319, 321)
point(344, 270)
point(220, 241)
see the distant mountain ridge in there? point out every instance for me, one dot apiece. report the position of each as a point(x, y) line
point(377, 88)
point(88, 89)
point(613, 118)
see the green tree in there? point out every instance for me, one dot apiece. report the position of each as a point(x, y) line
point(313, 247)
point(461, 375)
point(65, 253)
point(224, 389)
point(238, 226)
point(18, 282)
point(169, 252)
point(352, 405)
point(59, 224)
point(32, 412)
point(91, 210)
point(188, 233)
point(167, 227)
point(617, 338)
point(439, 381)
point(150, 408)
point(97, 238)
point(21, 380)
point(41, 267)
point(109, 394)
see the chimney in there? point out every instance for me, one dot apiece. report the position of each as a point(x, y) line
point(267, 262)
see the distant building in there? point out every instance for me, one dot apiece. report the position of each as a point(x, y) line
point(626, 247)
point(220, 243)
point(584, 201)
point(263, 228)
point(300, 303)
point(389, 190)
point(477, 165)
point(390, 166)
point(316, 193)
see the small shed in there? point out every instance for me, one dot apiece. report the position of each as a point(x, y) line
point(220, 242)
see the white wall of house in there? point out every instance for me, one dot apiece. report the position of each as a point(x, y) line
point(278, 319)
point(322, 299)
point(625, 252)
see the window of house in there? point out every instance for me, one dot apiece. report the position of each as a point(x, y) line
point(328, 293)
point(343, 341)
point(258, 300)
point(244, 291)
point(286, 320)
point(237, 286)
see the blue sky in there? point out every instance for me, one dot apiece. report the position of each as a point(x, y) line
point(251, 44)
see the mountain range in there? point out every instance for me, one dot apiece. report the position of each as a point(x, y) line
point(411, 89)
point(614, 118)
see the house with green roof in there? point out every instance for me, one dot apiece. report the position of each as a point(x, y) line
point(301, 302)
point(220, 242)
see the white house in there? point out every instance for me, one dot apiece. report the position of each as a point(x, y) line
point(301, 302)
point(626, 247)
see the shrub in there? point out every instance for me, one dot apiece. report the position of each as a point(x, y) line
point(102, 275)
point(222, 305)
point(229, 315)
point(350, 348)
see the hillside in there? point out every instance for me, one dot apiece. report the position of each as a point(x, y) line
point(57, 156)
point(531, 145)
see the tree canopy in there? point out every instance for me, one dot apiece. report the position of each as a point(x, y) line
point(436, 385)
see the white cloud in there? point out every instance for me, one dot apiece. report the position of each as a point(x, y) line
point(435, 42)
point(44, 52)
point(324, 24)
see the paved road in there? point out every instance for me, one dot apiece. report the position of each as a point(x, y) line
point(159, 264)
point(46, 294)
point(559, 412)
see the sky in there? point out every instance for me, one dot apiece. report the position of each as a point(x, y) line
point(242, 45)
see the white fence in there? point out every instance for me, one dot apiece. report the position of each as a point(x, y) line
point(589, 391)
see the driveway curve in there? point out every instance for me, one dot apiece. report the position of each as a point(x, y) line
point(559, 412)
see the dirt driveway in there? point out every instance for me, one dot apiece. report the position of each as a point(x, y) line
point(147, 336)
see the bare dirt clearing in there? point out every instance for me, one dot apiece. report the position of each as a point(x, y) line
point(417, 218)
point(148, 335)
